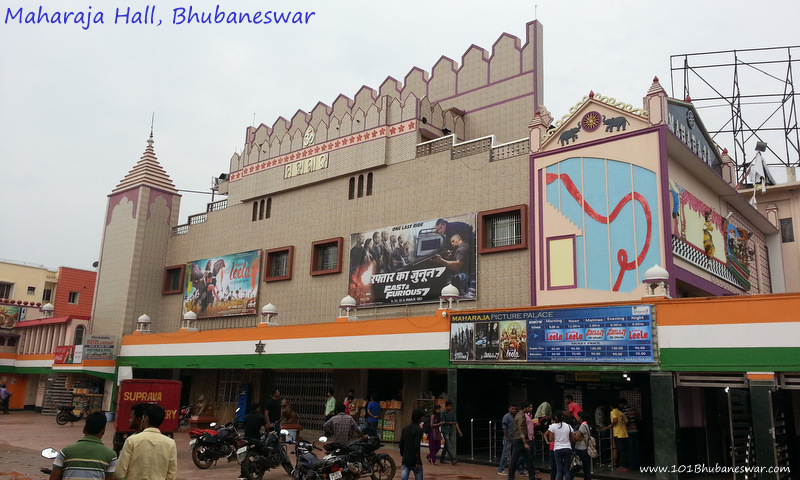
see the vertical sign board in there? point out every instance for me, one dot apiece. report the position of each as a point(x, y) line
point(614, 334)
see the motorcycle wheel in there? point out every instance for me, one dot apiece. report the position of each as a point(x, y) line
point(250, 467)
point(62, 418)
point(384, 469)
point(197, 453)
point(287, 465)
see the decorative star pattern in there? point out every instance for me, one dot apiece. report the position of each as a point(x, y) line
point(260, 347)
point(306, 152)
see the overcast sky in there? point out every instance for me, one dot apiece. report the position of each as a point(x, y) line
point(76, 104)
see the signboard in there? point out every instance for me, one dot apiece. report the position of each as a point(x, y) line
point(413, 262)
point(64, 354)
point(98, 347)
point(9, 316)
point(573, 335)
point(223, 286)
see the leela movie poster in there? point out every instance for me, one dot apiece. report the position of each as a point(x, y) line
point(413, 262)
point(223, 286)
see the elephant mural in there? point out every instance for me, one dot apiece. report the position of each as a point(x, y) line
point(615, 122)
point(567, 135)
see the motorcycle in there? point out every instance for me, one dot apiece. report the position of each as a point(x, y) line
point(185, 414)
point(362, 459)
point(66, 414)
point(258, 456)
point(209, 445)
point(309, 467)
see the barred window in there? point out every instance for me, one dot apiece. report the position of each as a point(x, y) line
point(326, 256)
point(503, 229)
point(228, 390)
point(279, 264)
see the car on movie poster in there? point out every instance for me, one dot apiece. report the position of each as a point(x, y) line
point(223, 286)
point(413, 262)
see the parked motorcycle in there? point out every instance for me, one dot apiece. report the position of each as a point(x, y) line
point(209, 445)
point(362, 459)
point(258, 456)
point(185, 414)
point(309, 467)
point(66, 413)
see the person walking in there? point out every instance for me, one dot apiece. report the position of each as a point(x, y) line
point(148, 455)
point(435, 433)
point(88, 458)
point(449, 427)
point(508, 429)
point(560, 433)
point(581, 438)
point(521, 447)
point(410, 438)
point(274, 408)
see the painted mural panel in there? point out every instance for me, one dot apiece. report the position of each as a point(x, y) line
point(9, 316)
point(612, 205)
point(413, 262)
point(223, 286)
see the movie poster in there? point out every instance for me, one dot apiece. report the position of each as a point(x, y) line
point(413, 262)
point(223, 286)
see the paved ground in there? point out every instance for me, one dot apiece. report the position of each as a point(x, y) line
point(24, 434)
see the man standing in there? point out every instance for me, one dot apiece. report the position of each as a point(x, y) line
point(341, 426)
point(572, 407)
point(148, 455)
point(253, 422)
point(633, 436)
point(88, 458)
point(620, 431)
point(601, 419)
point(448, 422)
point(508, 429)
point(410, 438)
point(330, 404)
point(373, 413)
point(521, 446)
point(274, 407)
point(5, 397)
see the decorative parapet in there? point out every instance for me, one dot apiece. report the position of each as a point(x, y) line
point(200, 217)
point(610, 101)
point(471, 147)
point(508, 150)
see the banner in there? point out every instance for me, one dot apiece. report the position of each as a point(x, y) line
point(223, 286)
point(413, 262)
point(9, 316)
point(98, 347)
point(64, 355)
point(571, 335)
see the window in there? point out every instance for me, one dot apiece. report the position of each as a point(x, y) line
point(31, 290)
point(228, 390)
point(279, 264)
point(503, 229)
point(787, 230)
point(173, 279)
point(356, 187)
point(46, 295)
point(261, 209)
point(73, 297)
point(79, 331)
point(5, 290)
point(326, 256)
point(12, 342)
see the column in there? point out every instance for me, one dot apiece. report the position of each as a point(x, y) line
point(763, 425)
point(665, 422)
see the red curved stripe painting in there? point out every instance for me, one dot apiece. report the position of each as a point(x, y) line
point(622, 255)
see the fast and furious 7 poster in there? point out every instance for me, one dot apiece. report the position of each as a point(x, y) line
point(223, 286)
point(413, 262)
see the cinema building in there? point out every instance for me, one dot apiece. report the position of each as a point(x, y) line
point(444, 234)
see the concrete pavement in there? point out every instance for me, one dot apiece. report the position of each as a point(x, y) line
point(24, 434)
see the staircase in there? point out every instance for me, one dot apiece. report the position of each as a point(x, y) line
point(57, 392)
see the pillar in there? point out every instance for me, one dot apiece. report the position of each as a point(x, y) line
point(763, 428)
point(665, 422)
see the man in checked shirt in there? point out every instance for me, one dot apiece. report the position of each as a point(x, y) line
point(341, 426)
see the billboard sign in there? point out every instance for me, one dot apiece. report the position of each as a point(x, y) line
point(98, 347)
point(618, 334)
point(412, 263)
point(223, 286)
point(9, 316)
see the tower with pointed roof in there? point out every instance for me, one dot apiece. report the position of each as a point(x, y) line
point(140, 214)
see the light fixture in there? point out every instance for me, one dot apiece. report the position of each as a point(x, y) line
point(449, 294)
point(346, 306)
point(143, 324)
point(761, 146)
point(189, 321)
point(268, 313)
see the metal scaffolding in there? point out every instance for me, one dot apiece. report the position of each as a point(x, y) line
point(760, 103)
